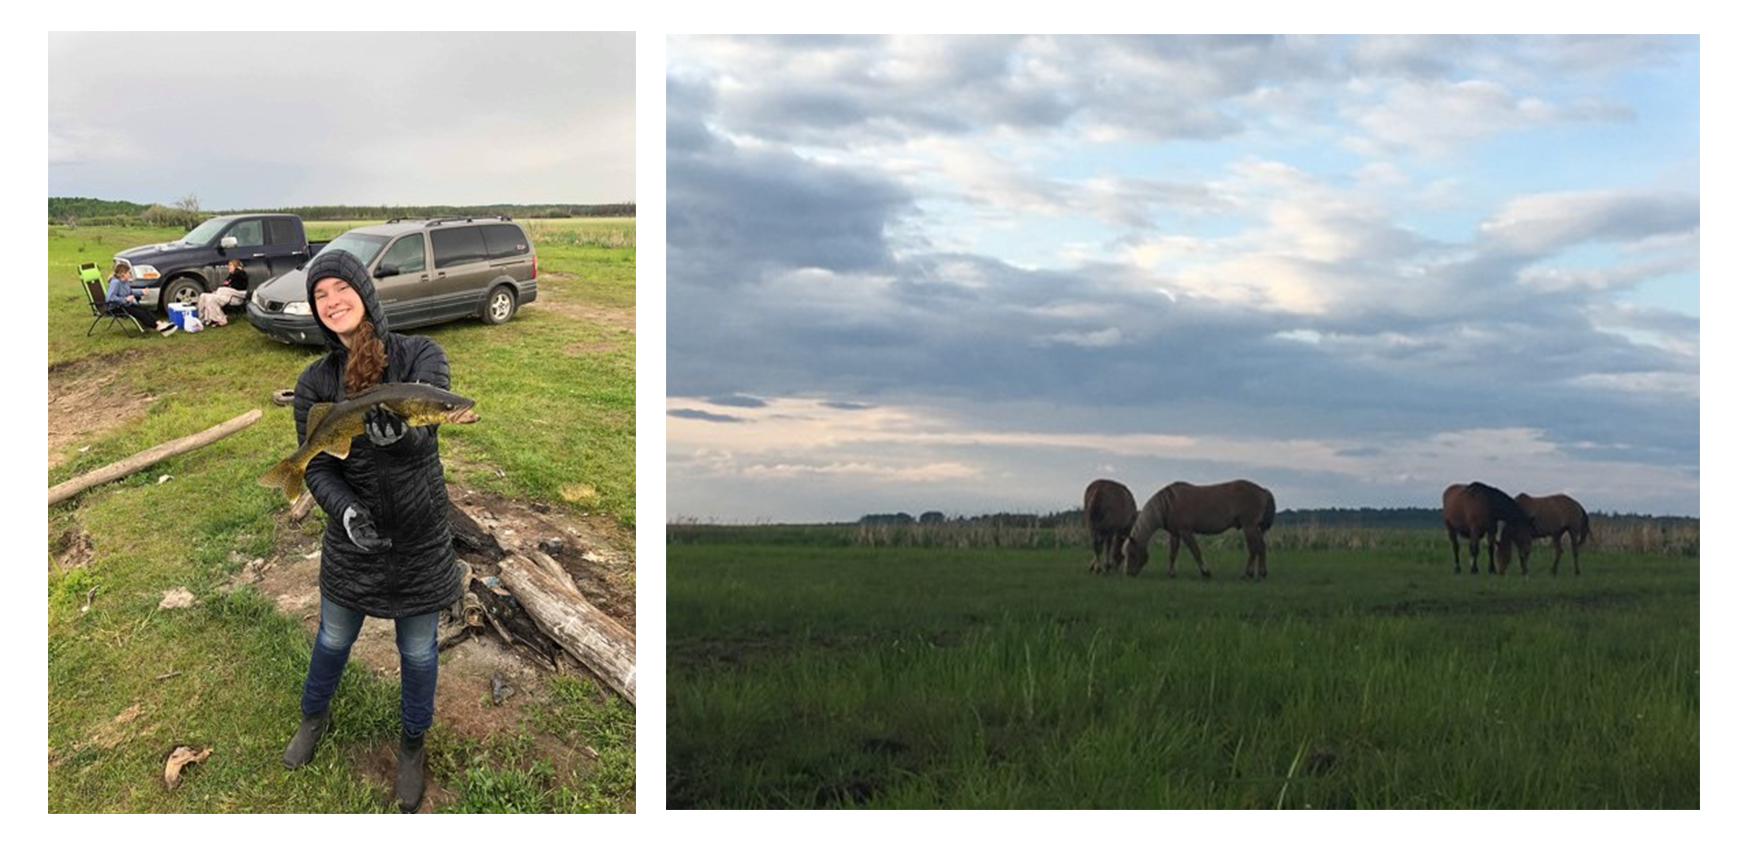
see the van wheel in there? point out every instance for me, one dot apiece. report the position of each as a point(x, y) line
point(499, 306)
point(183, 290)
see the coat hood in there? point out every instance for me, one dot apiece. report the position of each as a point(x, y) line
point(342, 265)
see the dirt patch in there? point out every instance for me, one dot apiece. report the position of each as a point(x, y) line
point(592, 551)
point(380, 762)
point(620, 318)
point(72, 548)
point(590, 347)
point(88, 397)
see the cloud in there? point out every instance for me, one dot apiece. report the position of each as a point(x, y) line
point(1055, 291)
point(738, 400)
point(379, 128)
point(1542, 223)
point(704, 415)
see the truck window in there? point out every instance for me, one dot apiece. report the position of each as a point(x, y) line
point(248, 233)
point(504, 240)
point(456, 245)
point(406, 254)
point(282, 231)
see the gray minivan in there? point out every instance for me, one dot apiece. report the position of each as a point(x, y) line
point(426, 272)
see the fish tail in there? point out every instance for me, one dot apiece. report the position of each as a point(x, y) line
point(287, 476)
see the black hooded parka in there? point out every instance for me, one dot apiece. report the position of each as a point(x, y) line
point(400, 485)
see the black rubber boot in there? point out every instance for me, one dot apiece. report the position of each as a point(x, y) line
point(409, 784)
point(302, 746)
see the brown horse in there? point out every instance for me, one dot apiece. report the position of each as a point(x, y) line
point(1472, 511)
point(1554, 516)
point(1109, 510)
point(1184, 510)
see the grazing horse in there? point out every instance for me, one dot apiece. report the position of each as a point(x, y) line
point(1109, 510)
point(1184, 510)
point(1472, 511)
point(1554, 516)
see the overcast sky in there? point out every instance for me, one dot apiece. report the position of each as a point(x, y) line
point(263, 120)
point(973, 274)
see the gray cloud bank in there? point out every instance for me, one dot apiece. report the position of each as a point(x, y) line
point(786, 276)
point(250, 119)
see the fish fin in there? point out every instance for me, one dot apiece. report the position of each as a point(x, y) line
point(317, 414)
point(286, 476)
point(341, 447)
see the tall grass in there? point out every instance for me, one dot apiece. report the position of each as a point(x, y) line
point(878, 676)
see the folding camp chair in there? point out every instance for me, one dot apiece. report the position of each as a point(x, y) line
point(91, 278)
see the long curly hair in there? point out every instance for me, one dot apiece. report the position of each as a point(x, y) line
point(367, 359)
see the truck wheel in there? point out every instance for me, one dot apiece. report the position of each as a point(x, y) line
point(500, 306)
point(183, 290)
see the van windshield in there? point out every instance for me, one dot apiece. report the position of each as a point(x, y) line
point(363, 246)
point(202, 234)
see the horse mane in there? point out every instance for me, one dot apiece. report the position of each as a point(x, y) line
point(1501, 504)
point(1150, 517)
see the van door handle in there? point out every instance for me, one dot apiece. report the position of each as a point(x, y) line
point(257, 256)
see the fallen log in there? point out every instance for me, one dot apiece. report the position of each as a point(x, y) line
point(150, 456)
point(548, 594)
point(469, 535)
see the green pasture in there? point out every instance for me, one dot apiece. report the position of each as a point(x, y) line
point(809, 675)
point(556, 391)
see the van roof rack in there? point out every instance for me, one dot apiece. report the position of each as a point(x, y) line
point(468, 219)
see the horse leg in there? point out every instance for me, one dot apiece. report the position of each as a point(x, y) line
point(1574, 545)
point(1174, 548)
point(1454, 539)
point(1193, 547)
point(1557, 561)
point(1255, 549)
point(1490, 543)
point(1095, 552)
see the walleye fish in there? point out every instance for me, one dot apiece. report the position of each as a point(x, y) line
point(332, 426)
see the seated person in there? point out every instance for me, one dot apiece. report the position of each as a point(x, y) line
point(233, 292)
point(126, 299)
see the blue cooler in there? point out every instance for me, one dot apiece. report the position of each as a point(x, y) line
point(178, 311)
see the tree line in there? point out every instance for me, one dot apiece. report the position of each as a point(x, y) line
point(91, 211)
point(1377, 518)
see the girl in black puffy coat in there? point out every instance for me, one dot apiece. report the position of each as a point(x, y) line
point(387, 551)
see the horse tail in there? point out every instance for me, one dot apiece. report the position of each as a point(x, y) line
point(1586, 528)
point(1270, 513)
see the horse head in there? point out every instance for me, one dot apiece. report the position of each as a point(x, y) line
point(1516, 536)
point(1136, 554)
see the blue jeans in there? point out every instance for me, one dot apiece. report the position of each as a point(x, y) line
point(416, 637)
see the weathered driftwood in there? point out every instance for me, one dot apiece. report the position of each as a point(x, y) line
point(548, 594)
point(150, 456)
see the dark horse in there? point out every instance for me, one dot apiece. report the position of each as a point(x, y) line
point(1184, 510)
point(1472, 511)
point(1109, 510)
point(1554, 516)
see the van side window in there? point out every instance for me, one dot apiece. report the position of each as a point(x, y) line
point(456, 245)
point(504, 240)
point(248, 233)
point(406, 254)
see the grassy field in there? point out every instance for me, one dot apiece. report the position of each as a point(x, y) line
point(556, 389)
point(806, 673)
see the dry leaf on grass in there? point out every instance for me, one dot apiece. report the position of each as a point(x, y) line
point(182, 757)
point(177, 598)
